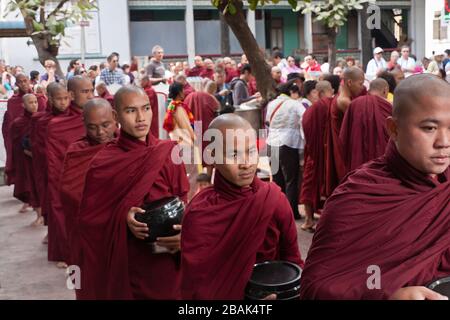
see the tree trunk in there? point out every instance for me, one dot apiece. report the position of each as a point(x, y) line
point(47, 52)
point(260, 69)
point(224, 37)
point(332, 34)
point(366, 37)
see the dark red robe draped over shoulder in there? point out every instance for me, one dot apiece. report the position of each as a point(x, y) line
point(385, 214)
point(314, 123)
point(21, 168)
point(226, 230)
point(114, 264)
point(204, 107)
point(61, 132)
point(76, 163)
point(15, 109)
point(153, 98)
point(364, 135)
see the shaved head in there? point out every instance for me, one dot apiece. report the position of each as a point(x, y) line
point(94, 105)
point(411, 93)
point(324, 85)
point(53, 88)
point(30, 103)
point(75, 82)
point(99, 121)
point(124, 92)
point(229, 121)
point(380, 87)
point(420, 123)
point(234, 149)
point(353, 73)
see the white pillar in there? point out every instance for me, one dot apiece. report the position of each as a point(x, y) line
point(251, 21)
point(307, 31)
point(360, 48)
point(190, 31)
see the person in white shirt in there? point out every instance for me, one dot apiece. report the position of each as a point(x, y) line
point(406, 63)
point(377, 64)
point(286, 141)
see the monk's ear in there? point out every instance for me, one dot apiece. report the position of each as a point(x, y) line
point(72, 95)
point(392, 126)
point(115, 115)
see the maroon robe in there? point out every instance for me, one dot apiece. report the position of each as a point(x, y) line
point(187, 89)
point(15, 109)
point(194, 72)
point(231, 73)
point(38, 140)
point(204, 107)
point(21, 168)
point(314, 123)
point(76, 163)
point(115, 264)
point(388, 214)
point(61, 132)
point(207, 73)
point(153, 97)
point(364, 135)
point(226, 230)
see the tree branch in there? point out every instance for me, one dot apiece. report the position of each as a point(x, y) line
point(58, 7)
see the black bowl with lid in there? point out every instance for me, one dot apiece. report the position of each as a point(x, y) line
point(160, 216)
point(441, 286)
point(274, 277)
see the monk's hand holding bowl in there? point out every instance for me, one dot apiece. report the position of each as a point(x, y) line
point(139, 229)
point(172, 243)
point(417, 293)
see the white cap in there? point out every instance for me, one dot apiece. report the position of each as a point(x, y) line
point(377, 50)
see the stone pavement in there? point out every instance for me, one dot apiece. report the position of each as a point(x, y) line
point(25, 272)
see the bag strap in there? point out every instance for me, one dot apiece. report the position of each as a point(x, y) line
point(275, 111)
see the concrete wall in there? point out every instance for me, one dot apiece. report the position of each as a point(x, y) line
point(113, 25)
point(171, 35)
point(430, 43)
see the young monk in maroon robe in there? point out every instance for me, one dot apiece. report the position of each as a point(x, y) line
point(146, 84)
point(61, 132)
point(351, 88)
point(314, 123)
point(238, 222)
point(385, 231)
point(100, 129)
point(109, 247)
point(14, 110)
point(58, 102)
point(364, 135)
point(21, 157)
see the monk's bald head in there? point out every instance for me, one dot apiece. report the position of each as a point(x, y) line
point(324, 89)
point(81, 90)
point(99, 121)
point(353, 73)
point(421, 121)
point(54, 87)
point(414, 91)
point(23, 82)
point(30, 103)
point(234, 152)
point(124, 93)
point(229, 121)
point(133, 111)
point(379, 87)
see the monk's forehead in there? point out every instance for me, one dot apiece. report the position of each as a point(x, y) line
point(29, 97)
point(128, 98)
point(99, 112)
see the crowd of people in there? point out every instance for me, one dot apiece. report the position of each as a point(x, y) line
point(365, 153)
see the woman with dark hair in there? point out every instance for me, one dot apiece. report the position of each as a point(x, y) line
point(179, 123)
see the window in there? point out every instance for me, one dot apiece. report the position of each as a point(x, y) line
point(439, 29)
point(276, 33)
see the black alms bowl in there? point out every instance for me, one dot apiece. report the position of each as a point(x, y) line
point(160, 216)
point(279, 277)
point(441, 286)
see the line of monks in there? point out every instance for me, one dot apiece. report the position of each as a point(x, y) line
point(90, 168)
